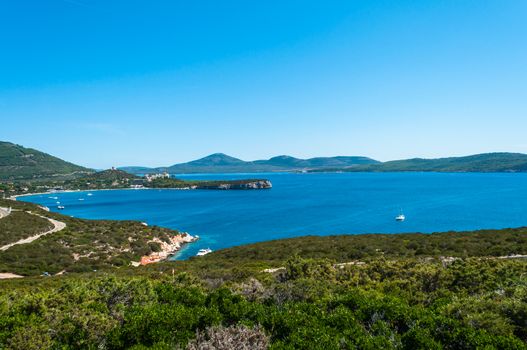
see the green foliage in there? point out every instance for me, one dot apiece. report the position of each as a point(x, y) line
point(345, 248)
point(19, 225)
point(382, 304)
point(483, 163)
point(111, 178)
point(199, 184)
point(84, 245)
point(118, 179)
point(17, 162)
point(222, 163)
point(408, 291)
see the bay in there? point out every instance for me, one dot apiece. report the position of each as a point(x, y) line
point(312, 204)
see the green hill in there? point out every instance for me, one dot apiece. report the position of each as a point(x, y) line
point(410, 291)
point(18, 162)
point(484, 163)
point(83, 245)
point(216, 159)
point(222, 163)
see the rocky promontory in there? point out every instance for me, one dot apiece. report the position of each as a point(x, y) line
point(239, 185)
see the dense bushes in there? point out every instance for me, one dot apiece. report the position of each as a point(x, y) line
point(19, 225)
point(341, 292)
point(84, 245)
point(345, 248)
point(404, 304)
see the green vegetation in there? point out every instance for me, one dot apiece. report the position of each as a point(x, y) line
point(222, 163)
point(94, 244)
point(84, 245)
point(451, 290)
point(311, 303)
point(118, 179)
point(343, 248)
point(483, 163)
point(19, 225)
point(17, 162)
point(209, 185)
point(106, 179)
point(408, 291)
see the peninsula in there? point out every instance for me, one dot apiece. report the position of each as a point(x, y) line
point(25, 171)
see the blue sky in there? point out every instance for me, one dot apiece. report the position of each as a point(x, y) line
point(103, 83)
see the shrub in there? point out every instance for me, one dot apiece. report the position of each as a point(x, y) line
point(237, 337)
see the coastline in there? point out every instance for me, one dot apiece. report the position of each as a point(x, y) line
point(167, 249)
point(14, 197)
point(221, 187)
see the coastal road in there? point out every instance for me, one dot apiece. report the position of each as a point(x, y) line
point(57, 226)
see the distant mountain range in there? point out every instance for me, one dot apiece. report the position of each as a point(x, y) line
point(483, 163)
point(17, 162)
point(222, 163)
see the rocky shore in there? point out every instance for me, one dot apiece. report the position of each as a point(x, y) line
point(167, 249)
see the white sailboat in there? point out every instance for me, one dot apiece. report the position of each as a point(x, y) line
point(400, 217)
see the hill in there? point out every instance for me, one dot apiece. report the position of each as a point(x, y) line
point(18, 162)
point(119, 179)
point(441, 291)
point(83, 245)
point(222, 163)
point(483, 163)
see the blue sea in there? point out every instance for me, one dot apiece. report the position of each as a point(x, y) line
point(313, 204)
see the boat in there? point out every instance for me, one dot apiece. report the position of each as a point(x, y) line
point(81, 199)
point(202, 252)
point(400, 217)
point(60, 207)
point(90, 194)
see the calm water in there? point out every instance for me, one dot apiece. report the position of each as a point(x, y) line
point(314, 204)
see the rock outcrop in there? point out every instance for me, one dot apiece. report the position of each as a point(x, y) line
point(253, 185)
point(167, 249)
point(241, 185)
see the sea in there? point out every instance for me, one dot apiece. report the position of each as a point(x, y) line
point(301, 204)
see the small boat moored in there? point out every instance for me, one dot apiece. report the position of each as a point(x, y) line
point(60, 207)
point(400, 217)
point(202, 252)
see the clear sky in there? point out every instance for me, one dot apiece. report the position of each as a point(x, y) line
point(102, 82)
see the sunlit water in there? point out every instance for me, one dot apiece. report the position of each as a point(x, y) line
point(313, 204)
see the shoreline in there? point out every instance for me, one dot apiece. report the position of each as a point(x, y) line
point(168, 250)
point(14, 197)
point(189, 188)
point(177, 242)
